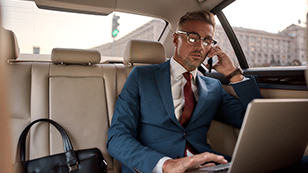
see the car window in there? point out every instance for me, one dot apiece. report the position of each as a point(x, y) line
point(39, 31)
point(224, 43)
point(271, 32)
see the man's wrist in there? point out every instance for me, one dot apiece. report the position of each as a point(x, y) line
point(235, 73)
point(159, 166)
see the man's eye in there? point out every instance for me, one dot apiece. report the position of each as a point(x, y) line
point(192, 40)
point(205, 43)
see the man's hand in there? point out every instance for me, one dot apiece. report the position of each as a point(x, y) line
point(225, 64)
point(192, 162)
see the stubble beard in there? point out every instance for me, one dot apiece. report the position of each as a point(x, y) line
point(192, 64)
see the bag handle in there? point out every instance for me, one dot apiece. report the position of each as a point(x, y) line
point(71, 158)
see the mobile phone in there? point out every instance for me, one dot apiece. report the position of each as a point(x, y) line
point(210, 62)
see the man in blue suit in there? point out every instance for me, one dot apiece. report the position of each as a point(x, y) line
point(146, 134)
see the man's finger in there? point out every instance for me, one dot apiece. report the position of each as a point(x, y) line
point(215, 158)
point(207, 165)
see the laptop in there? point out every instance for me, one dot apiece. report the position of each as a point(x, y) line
point(273, 136)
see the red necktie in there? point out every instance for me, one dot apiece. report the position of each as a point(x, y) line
point(189, 107)
point(190, 101)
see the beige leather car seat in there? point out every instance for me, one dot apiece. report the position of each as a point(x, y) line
point(19, 88)
point(5, 135)
point(73, 89)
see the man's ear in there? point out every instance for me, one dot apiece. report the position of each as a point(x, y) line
point(175, 39)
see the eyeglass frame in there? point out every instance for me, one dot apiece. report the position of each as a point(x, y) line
point(214, 42)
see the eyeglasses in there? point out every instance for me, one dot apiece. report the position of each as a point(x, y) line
point(193, 38)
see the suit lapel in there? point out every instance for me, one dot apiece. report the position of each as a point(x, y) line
point(202, 102)
point(162, 77)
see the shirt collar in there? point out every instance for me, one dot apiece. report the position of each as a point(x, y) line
point(177, 70)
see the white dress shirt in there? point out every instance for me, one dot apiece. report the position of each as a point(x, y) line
point(178, 82)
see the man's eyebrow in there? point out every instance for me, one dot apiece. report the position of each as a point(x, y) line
point(195, 33)
point(206, 37)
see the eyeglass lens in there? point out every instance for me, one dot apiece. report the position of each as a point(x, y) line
point(194, 38)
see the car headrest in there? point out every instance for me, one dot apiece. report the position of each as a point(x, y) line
point(75, 56)
point(144, 51)
point(10, 44)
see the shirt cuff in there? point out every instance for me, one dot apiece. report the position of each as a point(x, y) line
point(159, 166)
point(244, 79)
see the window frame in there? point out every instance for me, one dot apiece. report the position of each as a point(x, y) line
point(289, 78)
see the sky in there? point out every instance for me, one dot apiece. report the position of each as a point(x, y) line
point(47, 29)
point(263, 17)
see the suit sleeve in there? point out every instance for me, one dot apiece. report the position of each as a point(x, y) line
point(231, 110)
point(122, 141)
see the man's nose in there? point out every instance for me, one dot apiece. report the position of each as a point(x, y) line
point(198, 44)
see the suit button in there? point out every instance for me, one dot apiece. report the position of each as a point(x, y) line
point(137, 171)
point(185, 134)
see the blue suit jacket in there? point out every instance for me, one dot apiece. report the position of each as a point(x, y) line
point(144, 127)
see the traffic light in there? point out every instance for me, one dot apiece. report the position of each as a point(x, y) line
point(115, 24)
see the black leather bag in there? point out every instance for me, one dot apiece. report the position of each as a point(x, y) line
point(79, 161)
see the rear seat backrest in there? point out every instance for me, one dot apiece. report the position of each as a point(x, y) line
point(5, 150)
point(73, 90)
point(77, 99)
point(92, 90)
point(19, 87)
